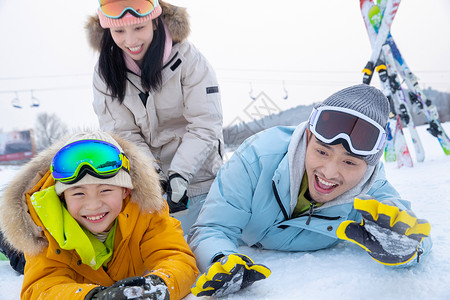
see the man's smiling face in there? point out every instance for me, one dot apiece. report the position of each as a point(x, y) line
point(331, 169)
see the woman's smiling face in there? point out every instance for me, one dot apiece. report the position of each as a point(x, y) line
point(134, 40)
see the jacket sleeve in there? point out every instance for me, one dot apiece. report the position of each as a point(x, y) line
point(166, 254)
point(382, 191)
point(222, 219)
point(49, 279)
point(115, 117)
point(202, 110)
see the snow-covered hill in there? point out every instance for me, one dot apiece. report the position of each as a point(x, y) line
point(346, 271)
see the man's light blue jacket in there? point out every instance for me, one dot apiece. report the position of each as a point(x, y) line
point(252, 199)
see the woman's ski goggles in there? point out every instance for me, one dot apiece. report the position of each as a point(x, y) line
point(117, 8)
point(95, 157)
point(363, 135)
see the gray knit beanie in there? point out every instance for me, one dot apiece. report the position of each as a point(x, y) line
point(364, 99)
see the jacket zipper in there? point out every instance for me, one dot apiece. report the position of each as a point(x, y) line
point(312, 203)
point(310, 211)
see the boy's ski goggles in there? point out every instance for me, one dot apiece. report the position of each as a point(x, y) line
point(363, 135)
point(95, 157)
point(117, 8)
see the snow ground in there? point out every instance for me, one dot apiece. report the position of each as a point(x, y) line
point(346, 271)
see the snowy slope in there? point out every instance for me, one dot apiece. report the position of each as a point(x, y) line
point(346, 271)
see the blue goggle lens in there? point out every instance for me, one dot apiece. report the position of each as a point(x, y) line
point(102, 157)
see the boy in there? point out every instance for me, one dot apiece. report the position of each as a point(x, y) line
point(304, 188)
point(91, 221)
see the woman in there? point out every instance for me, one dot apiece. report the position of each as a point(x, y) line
point(156, 89)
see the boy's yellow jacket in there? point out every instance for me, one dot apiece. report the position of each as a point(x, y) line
point(147, 239)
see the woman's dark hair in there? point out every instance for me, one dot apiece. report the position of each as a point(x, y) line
point(114, 71)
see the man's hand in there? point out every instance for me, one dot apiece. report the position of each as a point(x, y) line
point(150, 287)
point(176, 193)
point(228, 275)
point(390, 235)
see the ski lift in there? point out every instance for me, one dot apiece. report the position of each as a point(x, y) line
point(251, 92)
point(34, 101)
point(16, 102)
point(286, 96)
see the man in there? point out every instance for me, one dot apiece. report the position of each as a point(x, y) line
point(304, 188)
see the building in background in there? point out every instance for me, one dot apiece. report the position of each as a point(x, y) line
point(17, 146)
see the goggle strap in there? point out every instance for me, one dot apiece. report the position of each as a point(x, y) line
point(382, 140)
point(125, 163)
point(312, 117)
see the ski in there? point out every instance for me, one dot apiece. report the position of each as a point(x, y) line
point(383, 32)
point(420, 101)
point(416, 95)
point(389, 149)
point(401, 106)
point(394, 150)
point(401, 149)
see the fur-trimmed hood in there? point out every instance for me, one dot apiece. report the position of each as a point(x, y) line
point(16, 223)
point(175, 18)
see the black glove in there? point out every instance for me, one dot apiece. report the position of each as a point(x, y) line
point(16, 259)
point(391, 236)
point(228, 275)
point(150, 287)
point(176, 193)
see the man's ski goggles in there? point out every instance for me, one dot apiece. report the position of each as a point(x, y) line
point(363, 135)
point(116, 9)
point(95, 157)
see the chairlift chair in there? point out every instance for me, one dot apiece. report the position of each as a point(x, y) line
point(16, 102)
point(34, 101)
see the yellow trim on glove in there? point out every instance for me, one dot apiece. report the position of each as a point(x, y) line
point(419, 228)
point(225, 266)
point(375, 208)
point(340, 232)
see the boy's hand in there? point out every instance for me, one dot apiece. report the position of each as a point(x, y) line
point(150, 287)
point(390, 235)
point(228, 275)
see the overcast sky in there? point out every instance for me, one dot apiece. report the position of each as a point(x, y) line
point(303, 49)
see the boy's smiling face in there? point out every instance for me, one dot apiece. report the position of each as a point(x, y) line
point(95, 206)
point(331, 169)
